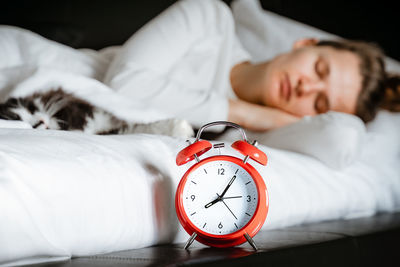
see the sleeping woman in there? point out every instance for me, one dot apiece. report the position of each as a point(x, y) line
point(189, 63)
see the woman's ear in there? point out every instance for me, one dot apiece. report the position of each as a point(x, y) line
point(305, 42)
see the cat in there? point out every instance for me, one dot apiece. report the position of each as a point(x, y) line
point(58, 110)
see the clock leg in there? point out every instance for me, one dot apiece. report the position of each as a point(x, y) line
point(255, 143)
point(190, 240)
point(195, 156)
point(251, 241)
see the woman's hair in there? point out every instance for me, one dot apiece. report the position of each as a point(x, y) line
point(379, 89)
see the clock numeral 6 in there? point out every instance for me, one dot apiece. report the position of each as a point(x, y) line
point(220, 226)
point(221, 171)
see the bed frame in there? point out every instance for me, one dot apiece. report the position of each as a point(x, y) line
point(357, 242)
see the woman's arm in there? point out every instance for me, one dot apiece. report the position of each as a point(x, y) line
point(256, 117)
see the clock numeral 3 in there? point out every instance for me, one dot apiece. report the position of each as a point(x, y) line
point(248, 198)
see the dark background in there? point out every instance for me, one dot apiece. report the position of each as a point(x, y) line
point(97, 24)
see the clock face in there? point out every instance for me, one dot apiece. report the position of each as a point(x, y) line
point(220, 197)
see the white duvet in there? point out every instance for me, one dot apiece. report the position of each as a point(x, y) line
point(66, 194)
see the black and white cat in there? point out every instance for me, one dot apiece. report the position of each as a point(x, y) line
point(58, 110)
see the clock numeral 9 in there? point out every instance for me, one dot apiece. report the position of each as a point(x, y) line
point(248, 198)
point(192, 197)
point(221, 171)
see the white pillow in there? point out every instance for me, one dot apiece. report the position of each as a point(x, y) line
point(384, 135)
point(334, 138)
point(265, 34)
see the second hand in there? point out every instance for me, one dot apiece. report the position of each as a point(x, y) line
point(227, 207)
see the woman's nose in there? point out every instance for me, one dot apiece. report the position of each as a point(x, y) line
point(306, 87)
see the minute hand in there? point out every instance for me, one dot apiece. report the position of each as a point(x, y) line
point(227, 187)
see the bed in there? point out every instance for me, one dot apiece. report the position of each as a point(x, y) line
point(83, 200)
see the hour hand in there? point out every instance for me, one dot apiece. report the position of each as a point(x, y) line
point(212, 202)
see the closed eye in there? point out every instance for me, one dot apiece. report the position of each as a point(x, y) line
point(321, 103)
point(321, 68)
point(37, 124)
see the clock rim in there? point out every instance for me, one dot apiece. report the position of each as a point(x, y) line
point(234, 238)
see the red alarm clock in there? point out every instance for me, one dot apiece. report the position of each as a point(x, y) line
point(221, 201)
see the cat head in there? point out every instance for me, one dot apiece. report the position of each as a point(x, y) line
point(37, 110)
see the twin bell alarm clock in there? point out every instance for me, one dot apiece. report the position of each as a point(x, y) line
point(221, 200)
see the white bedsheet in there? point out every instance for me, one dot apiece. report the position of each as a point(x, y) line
point(66, 194)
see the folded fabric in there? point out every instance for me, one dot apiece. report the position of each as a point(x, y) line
point(21, 47)
point(334, 138)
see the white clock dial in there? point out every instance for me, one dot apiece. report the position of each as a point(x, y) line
point(220, 197)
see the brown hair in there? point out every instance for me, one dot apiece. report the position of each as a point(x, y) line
point(378, 89)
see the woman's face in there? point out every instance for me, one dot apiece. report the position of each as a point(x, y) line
point(310, 80)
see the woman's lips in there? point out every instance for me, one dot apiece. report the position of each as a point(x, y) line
point(286, 89)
